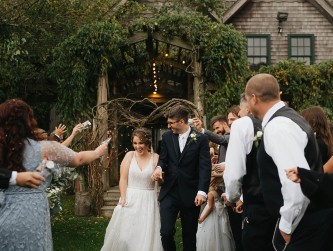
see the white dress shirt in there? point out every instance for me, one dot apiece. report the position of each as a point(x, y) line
point(182, 138)
point(285, 142)
point(240, 144)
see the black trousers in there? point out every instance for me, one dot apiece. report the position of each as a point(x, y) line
point(236, 227)
point(313, 233)
point(170, 207)
point(258, 228)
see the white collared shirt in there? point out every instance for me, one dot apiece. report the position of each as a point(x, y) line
point(285, 142)
point(240, 144)
point(182, 138)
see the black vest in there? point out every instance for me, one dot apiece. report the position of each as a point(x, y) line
point(252, 192)
point(268, 173)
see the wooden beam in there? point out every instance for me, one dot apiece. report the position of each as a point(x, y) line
point(138, 37)
point(233, 10)
point(324, 8)
point(173, 41)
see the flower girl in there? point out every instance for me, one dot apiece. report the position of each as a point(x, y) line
point(214, 232)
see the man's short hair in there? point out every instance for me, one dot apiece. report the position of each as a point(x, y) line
point(242, 98)
point(264, 86)
point(234, 110)
point(178, 112)
point(218, 118)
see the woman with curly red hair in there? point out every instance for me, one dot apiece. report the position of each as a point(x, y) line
point(24, 212)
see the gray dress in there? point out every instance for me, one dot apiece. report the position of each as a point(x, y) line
point(24, 212)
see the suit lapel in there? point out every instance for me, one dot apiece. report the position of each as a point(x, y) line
point(176, 144)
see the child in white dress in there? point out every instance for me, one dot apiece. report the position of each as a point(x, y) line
point(214, 232)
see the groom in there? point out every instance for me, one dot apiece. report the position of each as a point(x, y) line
point(185, 161)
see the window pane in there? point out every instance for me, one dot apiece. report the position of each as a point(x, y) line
point(306, 41)
point(294, 51)
point(256, 42)
point(263, 60)
point(300, 51)
point(307, 60)
point(250, 42)
point(250, 51)
point(257, 51)
point(307, 51)
point(256, 60)
point(300, 42)
point(263, 41)
point(294, 42)
point(263, 51)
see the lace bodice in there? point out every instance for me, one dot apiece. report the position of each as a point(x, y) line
point(141, 179)
point(33, 153)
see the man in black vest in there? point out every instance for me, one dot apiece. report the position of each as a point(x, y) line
point(241, 177)
point(185, 160)
point(287, 141)
point(26, 179)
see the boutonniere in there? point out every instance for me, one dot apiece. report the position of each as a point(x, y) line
point(257, 138)
point(194, 137)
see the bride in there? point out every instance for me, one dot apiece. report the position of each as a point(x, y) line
point(135, 223)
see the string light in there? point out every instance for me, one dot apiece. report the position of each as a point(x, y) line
point(154, 78)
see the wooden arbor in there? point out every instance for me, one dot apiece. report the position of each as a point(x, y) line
point(155, 67)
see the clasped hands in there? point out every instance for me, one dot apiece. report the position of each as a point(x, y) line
point(236, 207)
point(158, 175)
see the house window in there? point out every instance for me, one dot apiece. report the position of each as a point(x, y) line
point(258, 50)
point(301, 48)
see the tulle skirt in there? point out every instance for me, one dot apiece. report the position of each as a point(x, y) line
point(214, 233)
point(136, 226)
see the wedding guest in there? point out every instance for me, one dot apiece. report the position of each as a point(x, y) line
point(318, 187)
point(288, 141)
point(319, 123)
point(232, 114)
point(220, 134)
point(185, 160)
point(42, 135)
point(24, 179)
point(135, 222)
point(75, 131)
point(214, 232)
point(241, 177)
point(24, 213)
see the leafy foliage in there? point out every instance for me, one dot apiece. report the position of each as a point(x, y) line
point(80, 60)
point(304, 85)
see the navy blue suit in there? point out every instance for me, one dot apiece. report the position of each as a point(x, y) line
point(4, 177)
point(185, 174)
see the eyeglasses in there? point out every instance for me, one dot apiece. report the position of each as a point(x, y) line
point(172, 123)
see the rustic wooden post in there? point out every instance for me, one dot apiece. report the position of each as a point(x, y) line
point(102, 115)
point(198, 86)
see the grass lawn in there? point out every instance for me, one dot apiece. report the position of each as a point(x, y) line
point(75, 233)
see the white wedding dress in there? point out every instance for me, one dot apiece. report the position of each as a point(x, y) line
point(214, 233)
point(136, 226)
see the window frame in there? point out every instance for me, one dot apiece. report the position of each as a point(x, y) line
point(268, 46)
point(311, 36)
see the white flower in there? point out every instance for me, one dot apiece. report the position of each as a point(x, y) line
point(193, 137)
point(257, 138)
